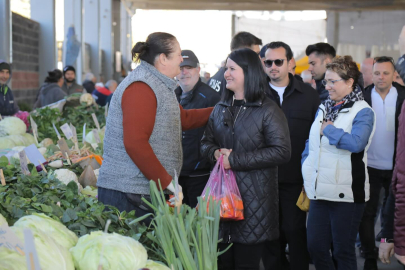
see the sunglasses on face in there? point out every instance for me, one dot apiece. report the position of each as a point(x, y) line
point(277, 62)
point(383, 59)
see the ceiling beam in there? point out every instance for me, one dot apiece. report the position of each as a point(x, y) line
point(339, 5)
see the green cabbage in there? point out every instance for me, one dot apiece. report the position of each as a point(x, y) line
point(120, 252)
point(16, 140)
point(2, 220)
point(12, 126)
point(152, 265)
point(51, 255)
point(62, 235)
point(6, 143)
point(11, 260)
point(19, 140)
point(30, 138)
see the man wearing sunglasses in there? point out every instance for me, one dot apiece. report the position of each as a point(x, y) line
point(385, 97)
point(239, 41)
point(299, 103)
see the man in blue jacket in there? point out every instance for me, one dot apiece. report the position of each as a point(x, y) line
point(8, 106)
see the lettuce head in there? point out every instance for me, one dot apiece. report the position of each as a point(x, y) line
point(54, 229)
point(120, 252)
point(152, 265)
point(51, 255)
point(12, 126)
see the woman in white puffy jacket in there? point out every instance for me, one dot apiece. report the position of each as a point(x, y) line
point(334, 167)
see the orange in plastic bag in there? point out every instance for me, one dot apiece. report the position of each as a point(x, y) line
point(222, 186)
point(232, 207)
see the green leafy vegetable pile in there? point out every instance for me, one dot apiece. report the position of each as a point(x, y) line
point(78, 116)
point(43, 193)
point(44, 117)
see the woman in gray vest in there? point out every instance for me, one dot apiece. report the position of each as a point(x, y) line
point(335, 167)
point(144, 127)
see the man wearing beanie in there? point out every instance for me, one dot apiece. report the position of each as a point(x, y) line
point(7, 105)
point(70, 86)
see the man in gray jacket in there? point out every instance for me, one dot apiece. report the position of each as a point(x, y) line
point(69, 85)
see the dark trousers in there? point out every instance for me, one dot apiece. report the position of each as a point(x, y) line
point(192, 188)
point(333, 223)
point(378, 179)
point(292, 228)
point(126, 202)
point(247, 257)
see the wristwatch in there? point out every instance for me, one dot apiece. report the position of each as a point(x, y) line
point(386, 240)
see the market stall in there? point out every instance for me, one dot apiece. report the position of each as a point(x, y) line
point(49, 172)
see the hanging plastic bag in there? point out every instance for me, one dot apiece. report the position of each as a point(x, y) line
point(222, 186)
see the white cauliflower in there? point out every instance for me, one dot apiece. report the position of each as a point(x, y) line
point(42, 150)
point(87, 98)
point(65, 176)
point(46, 142)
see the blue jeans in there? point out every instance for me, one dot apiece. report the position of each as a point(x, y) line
point(126, 202)
point(333, 224)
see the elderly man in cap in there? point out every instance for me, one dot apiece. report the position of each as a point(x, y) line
point(70, 86)
point(193, 94)
point(7, 105)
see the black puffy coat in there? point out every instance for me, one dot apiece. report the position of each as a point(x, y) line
point(300, 104)
point(260, 141)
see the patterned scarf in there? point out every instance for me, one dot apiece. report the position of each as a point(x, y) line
point(333, 107)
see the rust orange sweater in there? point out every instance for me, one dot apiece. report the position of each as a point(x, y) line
point(139, 111)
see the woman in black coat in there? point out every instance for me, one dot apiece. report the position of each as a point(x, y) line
point(252, 133)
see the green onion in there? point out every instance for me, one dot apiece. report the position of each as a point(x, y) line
point(186, 239)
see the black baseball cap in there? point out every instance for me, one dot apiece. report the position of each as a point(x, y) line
point(189, 59)
point(67, 68)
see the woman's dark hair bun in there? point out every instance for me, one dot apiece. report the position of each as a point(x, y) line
point(139, 49)
point(54, 76)
point(155, 44)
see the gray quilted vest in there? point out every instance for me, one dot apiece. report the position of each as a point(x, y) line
point(118, 171)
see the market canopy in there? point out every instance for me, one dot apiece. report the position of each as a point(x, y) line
point(330, 5)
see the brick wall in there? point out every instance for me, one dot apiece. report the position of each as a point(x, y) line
point(25, 45)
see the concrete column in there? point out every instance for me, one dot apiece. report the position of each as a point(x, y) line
point(332, 28)
point(73, 17)
point(43, 12)
point(116, 26)
point(91, 33)
point(5, 31)
point(106, 38)
point(126, 38)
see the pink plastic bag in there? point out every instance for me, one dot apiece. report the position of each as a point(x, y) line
point(222, 186)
